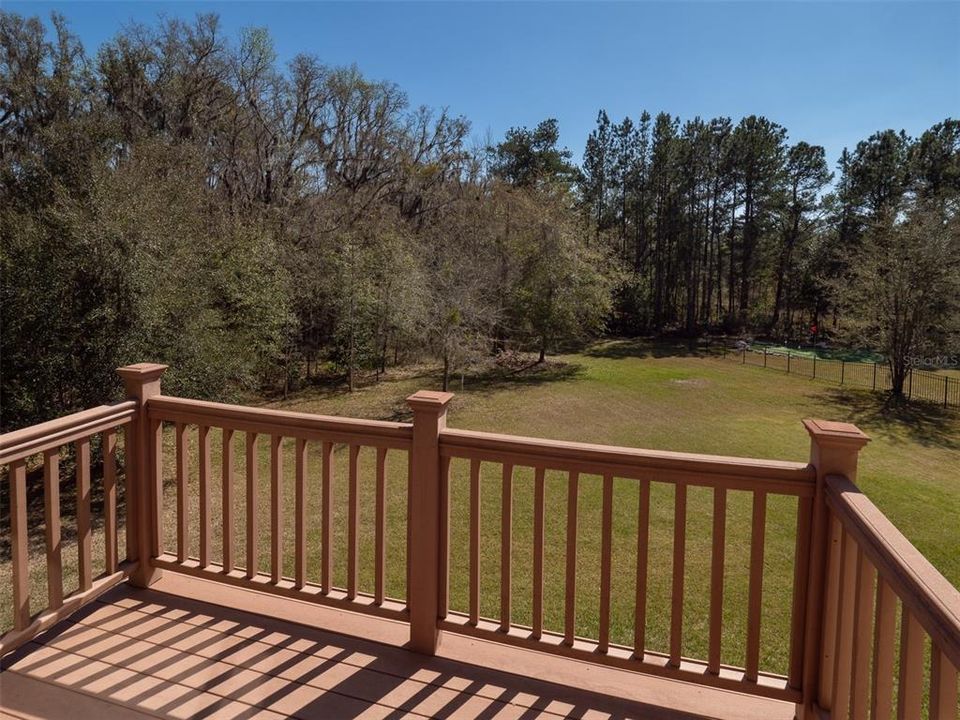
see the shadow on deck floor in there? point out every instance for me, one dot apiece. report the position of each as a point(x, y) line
point(155, 653)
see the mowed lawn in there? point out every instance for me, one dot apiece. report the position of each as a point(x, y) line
point(621, 393)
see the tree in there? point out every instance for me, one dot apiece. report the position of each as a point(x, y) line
point(596, 174)
point(805, 176)
point(758, 147)
point(903, 292)
point(529, 158)
point(563, 288)
point(935, 161)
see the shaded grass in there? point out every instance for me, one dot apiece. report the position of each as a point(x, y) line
point(620, 393)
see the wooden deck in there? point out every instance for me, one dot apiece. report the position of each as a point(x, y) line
point(170, 652)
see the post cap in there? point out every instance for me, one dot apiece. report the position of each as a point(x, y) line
point(829, 431)
point(143, 372)
point(429, 400)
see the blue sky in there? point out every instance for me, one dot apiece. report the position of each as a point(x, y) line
point(832, 73)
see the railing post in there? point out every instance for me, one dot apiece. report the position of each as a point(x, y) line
point(429, 419)
point(141, 382)
point(834, 450)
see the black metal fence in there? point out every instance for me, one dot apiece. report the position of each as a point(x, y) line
point(919, 384)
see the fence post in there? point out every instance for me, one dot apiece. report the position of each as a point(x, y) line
point(144, 499)
point(910, 385)
point(843, 366)
point(743, 356)
point(814, 366)
point(788, 363)
point(874, 374)
point(429, 420)
point(764, 357)
point(945, 387)
point(834, 450)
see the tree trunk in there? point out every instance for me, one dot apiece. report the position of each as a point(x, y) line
point(446, 372)
point(898, 377)
point(350, 369)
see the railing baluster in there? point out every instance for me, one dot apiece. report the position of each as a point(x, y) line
point(183, 509)
point(943, 686)
point(474, 541)
point(717, 560)
point(226, 477)
point(253, 506)
point(755, 601)
point(129, 493)
point(409, 542)
point(831, 608)
point(109, 446)
point(679, 555)
point(155, 465)
point(380, 535)
point(19, 540)
point(643, 544)
point(506, 545)
point(570, 601)
point(300, 558)
point(203, 443)
point(443, 601)
point(84, 534)
point(842, 669)
point(801, 570)
point(52, 534)
point(881, 703)
point(862, 618)
point(910, 691)
point(381, 523)
point(538, 498)
point(326, 530)
point(353, 520)
point(276, 508)
point(606, 550)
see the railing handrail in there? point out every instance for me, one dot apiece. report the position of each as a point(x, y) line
point(920, 586)
point(794, 478)
point(19, 444)
point(379, 433)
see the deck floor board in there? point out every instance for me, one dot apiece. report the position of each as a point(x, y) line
point(151, 653)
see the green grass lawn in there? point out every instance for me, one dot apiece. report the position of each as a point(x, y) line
point(622, 393)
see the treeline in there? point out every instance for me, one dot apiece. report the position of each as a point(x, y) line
point(182, 197)
point(728, 226)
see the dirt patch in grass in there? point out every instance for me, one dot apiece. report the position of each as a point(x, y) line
point(690, 382)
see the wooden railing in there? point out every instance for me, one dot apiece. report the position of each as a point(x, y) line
point(43, 446)
point(841, 660)
point(759, 478)
point(872, 569)
point(206, 419)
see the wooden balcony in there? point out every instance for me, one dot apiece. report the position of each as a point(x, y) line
point(181, 624)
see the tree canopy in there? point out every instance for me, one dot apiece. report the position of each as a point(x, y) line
point(180, 196)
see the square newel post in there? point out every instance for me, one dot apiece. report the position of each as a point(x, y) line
point(834, 450)
point(429, 419)
point(140, 383)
